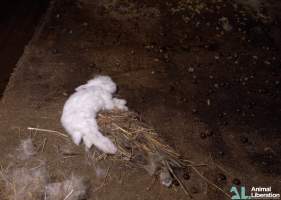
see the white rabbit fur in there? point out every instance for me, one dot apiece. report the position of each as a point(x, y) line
point(81, 109)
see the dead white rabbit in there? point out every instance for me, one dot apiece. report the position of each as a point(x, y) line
point(81, 109)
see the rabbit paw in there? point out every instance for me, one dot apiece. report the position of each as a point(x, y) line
point(76, 138)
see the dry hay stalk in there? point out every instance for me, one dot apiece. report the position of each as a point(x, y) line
point(140, 144)
point(134, 136)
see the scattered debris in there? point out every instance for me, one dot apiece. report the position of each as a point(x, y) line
point(225, 24)
point(165, 177)
point(25, 149)
point(100, 172)
point(252, 4)
point(190, 69)
point(73, 188)
point(24, 184)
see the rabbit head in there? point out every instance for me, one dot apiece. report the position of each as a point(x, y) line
point(104, 82)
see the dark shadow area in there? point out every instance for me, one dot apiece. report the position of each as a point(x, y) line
point(228, 85)
point(18, 20)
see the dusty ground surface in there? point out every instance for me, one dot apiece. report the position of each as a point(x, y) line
point(18, 20)
point(205, 74)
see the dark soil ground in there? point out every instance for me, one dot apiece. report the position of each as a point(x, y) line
point(205, 74)
point(18, 20)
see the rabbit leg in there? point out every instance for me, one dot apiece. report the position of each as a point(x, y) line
point(76, 137)
point(96, 138)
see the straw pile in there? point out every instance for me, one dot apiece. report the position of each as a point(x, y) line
point(139, 143)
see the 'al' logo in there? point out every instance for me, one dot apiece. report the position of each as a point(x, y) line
point(237, 195)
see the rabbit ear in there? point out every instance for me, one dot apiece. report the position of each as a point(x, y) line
point(90, 83)
point(81, 87)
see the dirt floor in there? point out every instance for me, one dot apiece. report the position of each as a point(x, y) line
point(18, 20)
point(205, 74)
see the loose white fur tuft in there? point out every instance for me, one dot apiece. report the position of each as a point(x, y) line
point(23, 182)
point(81, 109)
point(26, 149)
point(71, 189)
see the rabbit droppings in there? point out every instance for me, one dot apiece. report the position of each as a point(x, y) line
point(81, 109)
